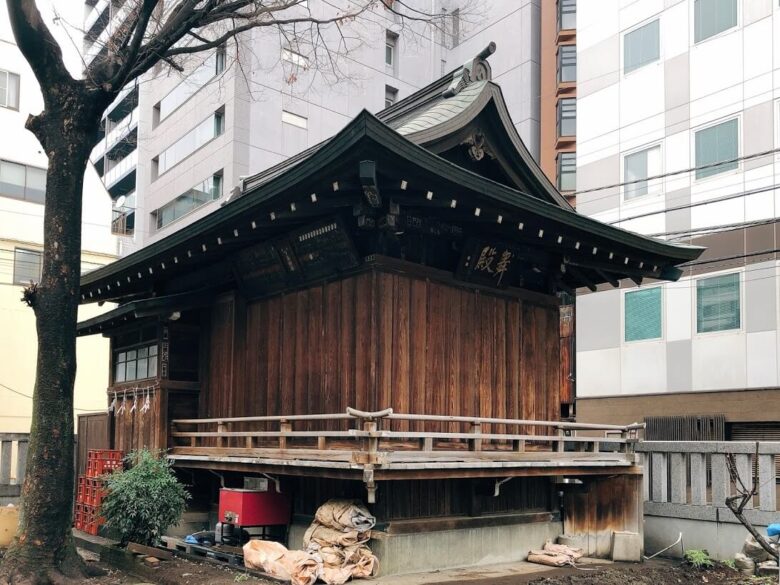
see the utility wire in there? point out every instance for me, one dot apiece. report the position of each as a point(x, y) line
point(30, 397)
point(681, 171)
point(698, 203)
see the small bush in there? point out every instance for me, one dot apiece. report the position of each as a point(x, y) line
point(698, 559)
point(729, 563)
point(145, 500)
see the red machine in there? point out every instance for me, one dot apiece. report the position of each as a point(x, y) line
point(241, 508)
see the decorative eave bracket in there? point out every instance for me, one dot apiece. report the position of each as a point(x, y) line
point(477, 69)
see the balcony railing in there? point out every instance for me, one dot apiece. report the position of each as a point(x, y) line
point(117, 19)
point(119, 170)
point(122, 128)
point(123, 221)
point(95, 13)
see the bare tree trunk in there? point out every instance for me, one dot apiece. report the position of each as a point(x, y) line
point(43, 551)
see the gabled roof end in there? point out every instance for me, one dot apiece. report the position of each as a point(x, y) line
point(477, 69)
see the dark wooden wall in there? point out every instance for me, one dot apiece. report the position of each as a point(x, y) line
point(402, 500)
point(605, 505)
point(378, 340)
point(135, 430)
point(93, 433)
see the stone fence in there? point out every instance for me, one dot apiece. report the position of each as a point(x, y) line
point(13, 456)
point(686, 484)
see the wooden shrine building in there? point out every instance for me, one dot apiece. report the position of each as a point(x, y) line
point(379, 317)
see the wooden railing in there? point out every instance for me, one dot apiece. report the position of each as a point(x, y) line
point(474, 433)
point(13, 446)
point(504, 445)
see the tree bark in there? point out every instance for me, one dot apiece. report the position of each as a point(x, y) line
point(43, 551)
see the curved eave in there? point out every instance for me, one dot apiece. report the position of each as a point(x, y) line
point(365, 125)
point(417, 155)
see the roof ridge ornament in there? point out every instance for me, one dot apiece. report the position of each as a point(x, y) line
point(476, 69)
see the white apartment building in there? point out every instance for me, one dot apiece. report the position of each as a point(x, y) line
point(665, 86)
point(176, 145)
point(22, 188)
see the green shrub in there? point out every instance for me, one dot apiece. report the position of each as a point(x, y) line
point(729, 563)
point(145, 500)
point(698, 559)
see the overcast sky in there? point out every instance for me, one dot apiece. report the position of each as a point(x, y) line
point(66, 29)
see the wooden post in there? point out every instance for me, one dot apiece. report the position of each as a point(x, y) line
point(475, 444)
point(561, 441)
point(249, 442)
point(284, 427)
point(373, 442)
point(321, 443)
point(427, 444)
point(518, 446)
point(221, 427)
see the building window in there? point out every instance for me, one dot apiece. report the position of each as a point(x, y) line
point(711, 17)
point(294, 119)
point(455, 27)
point(641, 46)
point(208, 190)
point(567, 117)
point(567, 63)
point(637, 167)
point(567, 171)
point(135, 357)
point(211, 67)
point(717, 144)
point(643, 314)
point(717, 303)
point(196, 138)
point(391, 43)
point(391, 96)
point(22, 182)
point(9, 90)
point(567, 14)
point(27, 266)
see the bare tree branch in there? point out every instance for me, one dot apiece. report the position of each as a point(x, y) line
point(36, 43)
point(738, 502)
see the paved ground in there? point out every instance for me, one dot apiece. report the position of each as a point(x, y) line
point(499, 574)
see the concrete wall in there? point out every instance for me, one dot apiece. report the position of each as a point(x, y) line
point(261, 85)
point(691, 86)
point(21, 226)
point(720, 539)
point(427, 551)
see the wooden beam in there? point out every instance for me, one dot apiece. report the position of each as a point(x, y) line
point(576, 273)
point(616, 268)
point(610, 279)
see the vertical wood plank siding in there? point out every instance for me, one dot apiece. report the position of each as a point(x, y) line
point(378, 340)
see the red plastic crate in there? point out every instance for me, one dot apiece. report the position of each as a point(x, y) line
point(98, 467)
point(87, 519)
point(111, 454)
point(81, 490)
